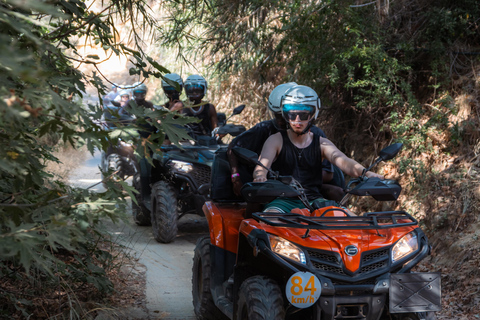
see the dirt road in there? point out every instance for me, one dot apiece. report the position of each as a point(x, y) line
point(167, 267)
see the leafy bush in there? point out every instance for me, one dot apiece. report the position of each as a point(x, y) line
point(383, 74)
point(49, 232)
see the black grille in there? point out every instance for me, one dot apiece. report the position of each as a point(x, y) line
point(383, 254)
point(326, 262)
point(331, 263)
point(328, 268)
point(373, 267)
point(323, 257)
point(201, 174)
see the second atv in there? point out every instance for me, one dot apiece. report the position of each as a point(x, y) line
point(178, 182)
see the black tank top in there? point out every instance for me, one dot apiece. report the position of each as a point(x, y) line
point(305, 165)
point(204, 127)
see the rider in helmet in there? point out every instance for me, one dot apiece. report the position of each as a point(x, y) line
point(111, 95)
point(298, 151)
point(172, 93)
point(254, 139)
point(139, 93)
point(196, 89)
point(124, 95)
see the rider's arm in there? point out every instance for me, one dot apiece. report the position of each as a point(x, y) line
point(245, 140)
point(213, 116)
point(270, 150)
point(232, 159)
point(175, 105)
point(347, 165)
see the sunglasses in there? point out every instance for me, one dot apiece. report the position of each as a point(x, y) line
point(170, 90)
point(194, 90)
point(303, 116)
point(194, 86)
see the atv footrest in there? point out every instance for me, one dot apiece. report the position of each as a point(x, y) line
point(415, 292)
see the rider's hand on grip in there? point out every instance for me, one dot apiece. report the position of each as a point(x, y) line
point(370, 174)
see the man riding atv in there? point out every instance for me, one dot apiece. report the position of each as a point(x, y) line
point(196, 89)
point(254, 139)
point(173, 94)
point(119, 157)
point(297, 151)
point(320, 262)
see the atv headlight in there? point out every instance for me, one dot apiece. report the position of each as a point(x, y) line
point(287, 249)
point(181, 166)
point(405, 246)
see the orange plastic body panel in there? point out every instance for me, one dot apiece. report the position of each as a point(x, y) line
point(334, 240)
point(224, 222)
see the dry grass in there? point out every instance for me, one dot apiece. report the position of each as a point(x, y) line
point(72, 298)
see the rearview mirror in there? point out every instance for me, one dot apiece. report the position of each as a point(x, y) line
point(238, 109)
point(391, 151)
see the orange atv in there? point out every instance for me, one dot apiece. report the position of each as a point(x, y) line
point(322, 262)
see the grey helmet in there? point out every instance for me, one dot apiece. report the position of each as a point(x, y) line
point(301, 98)
point(275, 98)
point(169, 88)
point(124, 92)
point(196, 86)
point(138, 86)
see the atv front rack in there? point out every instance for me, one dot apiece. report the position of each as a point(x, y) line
point(370, 220)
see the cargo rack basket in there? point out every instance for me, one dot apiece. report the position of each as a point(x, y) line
point(370, 220)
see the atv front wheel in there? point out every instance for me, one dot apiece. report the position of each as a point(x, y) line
point(164, 212)
point(260, 298)
point(112, 163)
point(203, 304)
point(141, 215)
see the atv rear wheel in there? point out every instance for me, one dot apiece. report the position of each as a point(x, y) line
point(164, 212)
point(141, 215)
point(260, 298)
point(415, 316)
point(203, 303)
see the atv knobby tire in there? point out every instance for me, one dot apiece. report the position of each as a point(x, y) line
point(203, 303)
point(260, 298)
point(113, 163)
point(141, 215)
point(164, 212)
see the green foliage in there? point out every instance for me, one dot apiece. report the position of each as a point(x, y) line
point(386, 75)
point(391, 69)
point(41, 91)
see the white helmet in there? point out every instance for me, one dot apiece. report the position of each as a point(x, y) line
point(167, 87)
point(300, 98)
point(138, 86)
point(275, 98)
point(196, 86)
point(124, 92)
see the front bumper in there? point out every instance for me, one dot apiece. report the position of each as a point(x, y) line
point(400, 292)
